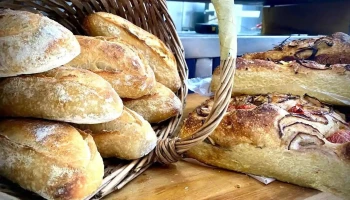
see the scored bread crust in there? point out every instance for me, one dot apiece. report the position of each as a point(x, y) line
point(328, 83)
point(156, 53)
point(334, 49)
point(31, 43)
point(63, 94)
point(127, 137)
point(52, 159)
point(119, 64)
point(265, 139)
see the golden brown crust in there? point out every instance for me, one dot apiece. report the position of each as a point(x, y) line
point(276, 135)
point(49, 158)
point(63, 94)
point(334, 49)
point(328, 83)
point(47, 43)
point(128, 137)
point(159, 106)
point(156, 53)
point(119, 64)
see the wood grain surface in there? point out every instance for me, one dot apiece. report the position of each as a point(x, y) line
point(184, 180)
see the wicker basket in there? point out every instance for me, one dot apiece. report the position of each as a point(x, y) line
point(151, 15)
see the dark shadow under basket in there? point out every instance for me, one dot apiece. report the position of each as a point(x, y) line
point(152, 16)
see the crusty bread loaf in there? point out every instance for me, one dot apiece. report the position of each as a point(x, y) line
point(52, 159)
point(128, 137)
point(328, 83)
point(156, 53)
point(64, 94)
point(159, 106)
point(127, 72)
point(31, 43)
point(292, 139)
point(334, 49)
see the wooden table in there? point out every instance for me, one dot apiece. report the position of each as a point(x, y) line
point(183, 180)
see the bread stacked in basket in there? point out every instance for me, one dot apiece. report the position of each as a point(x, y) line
point(68, 101)
point(281, 121)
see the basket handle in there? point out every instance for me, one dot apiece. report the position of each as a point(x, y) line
point(170, 150)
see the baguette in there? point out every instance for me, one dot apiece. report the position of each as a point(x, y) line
point(51, 159)
point(117, 63)
point(128, 137)
point(31, 43)
point(328, 83)
point(328, 50)
point(159, 106)
point(63, 94)
point(156, 53)
point(293, 139)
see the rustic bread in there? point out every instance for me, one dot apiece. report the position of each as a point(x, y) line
point(128, 137)
point(52, 159)
point(120, 65)
point(31, 43)
point(328, 83)
point(334, 49)
point(159, 106)
point(156, 53)
point(292, 139)
point(63, 94)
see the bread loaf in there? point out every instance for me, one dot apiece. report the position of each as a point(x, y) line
point(63, 94)
point(292, 139)
point(127, 72)
point(334, 49)
point(328, 83)
point(128, 137)
point(156, 53)
point(31, 43)
point(159, 106)
point(51, 159)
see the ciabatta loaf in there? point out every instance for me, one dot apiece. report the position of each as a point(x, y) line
point(63, 94)
point(52, 159)
point(125, 69)
point(128, 137)
point(293, 139)
point(328, 83)
point(156, 53)
point(31, 43)
point(159, 106)
point(334, 49)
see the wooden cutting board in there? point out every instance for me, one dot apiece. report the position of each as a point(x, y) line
point(183, 180)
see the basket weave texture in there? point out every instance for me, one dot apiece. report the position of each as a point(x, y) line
point(152, 16)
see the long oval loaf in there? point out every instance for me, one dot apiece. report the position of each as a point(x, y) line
point(128, 137)
point(156, 53)
point(52, 159)
point(31, 43)
point(120, 65)
point(63, 94)
point(328, 83)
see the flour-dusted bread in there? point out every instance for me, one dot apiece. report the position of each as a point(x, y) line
point(328, 83)
point(159, 106)
point(156, 53)
point(334, 49)
point(52, 159)
point(63, 94)
point(125, 69)
point(128, 137)
point(31, 43)
point(293, 139)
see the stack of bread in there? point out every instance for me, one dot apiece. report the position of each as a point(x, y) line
point(281, 122)
point(68, 101)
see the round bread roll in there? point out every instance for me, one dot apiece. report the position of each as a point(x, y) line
point(31, 43)
point(52, 159)
point(63, 94)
